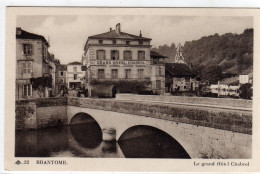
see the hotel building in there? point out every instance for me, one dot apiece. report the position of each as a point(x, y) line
point(116, 55)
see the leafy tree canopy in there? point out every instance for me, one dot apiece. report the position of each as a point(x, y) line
point(40, 83)
point(246, 91)
point(232, 52)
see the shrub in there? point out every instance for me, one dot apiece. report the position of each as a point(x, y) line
point(246, 91)
point(124, 86)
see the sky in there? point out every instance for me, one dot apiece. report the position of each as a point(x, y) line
point(67, 35)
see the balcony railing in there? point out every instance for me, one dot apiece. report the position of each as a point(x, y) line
point(125, 79)
point(25, 75)
point(157, 62)
point(47, 74)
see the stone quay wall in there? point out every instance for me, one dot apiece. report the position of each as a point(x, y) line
point(40, 113)
point(230, 120)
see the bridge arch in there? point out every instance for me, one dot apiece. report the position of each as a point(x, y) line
point(85, 130)
point(81, 117)
point(187, 135)
point(152, 142)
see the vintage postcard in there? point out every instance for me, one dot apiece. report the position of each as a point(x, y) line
point(132, 89)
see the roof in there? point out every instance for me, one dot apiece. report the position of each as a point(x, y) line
point(28, 35)
point(154, 54)
point(63, 67)
point(179, 69)
point(75, 63)
point(114, 35)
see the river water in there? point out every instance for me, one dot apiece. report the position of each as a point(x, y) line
point(85, 140)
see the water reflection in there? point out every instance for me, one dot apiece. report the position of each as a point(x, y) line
point(85, 140)
point(41, 143)
point(150, 142)
point(88, 135)
point(80, 140)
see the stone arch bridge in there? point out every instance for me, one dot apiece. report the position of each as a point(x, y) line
point(203, 131)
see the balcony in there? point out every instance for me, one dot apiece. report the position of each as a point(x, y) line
point(27, 75)
point(123, 79)
point(47, 74)
point(157, 62)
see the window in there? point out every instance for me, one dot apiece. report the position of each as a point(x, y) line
point(141, 55)
point(27, 49)
point(158, 84)
point(27, 90)
point(127, 42)
point(27, 67)
point(100, 41)
point(140, 73)
point(74, 69)
point(159, 71)
point(115, 55)
point(101, 54)
point(140, 42)
point(128, 73)
point(101, 73)
point(114, 74)
point(45, 52)
point(75, 77)
point(61, 73)
point(114, 42)
point(127, 55)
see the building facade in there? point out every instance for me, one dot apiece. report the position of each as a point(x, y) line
point(62, 76)
point(157, 72)
point(54, 63)
point(246, 78)
point(115, 56)
point(76, 75)
point(32, 62)
point(179, 76)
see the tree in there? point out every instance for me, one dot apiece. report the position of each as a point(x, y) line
point(124, 85)
point(245, 91)
point(212, 74)
point(40, 84)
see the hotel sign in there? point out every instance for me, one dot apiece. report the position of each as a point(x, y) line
point(118, 62)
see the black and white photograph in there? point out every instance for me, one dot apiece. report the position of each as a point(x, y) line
point(163, 86)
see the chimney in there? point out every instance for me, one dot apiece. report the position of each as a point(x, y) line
point(118, 28)
point(140, 33)
point(18, 31)
point(110, 29)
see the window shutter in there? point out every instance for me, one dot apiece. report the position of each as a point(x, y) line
point(31, 49)
point(130, 55)
point(117, 55)
point(29, 67)
point(20, 69)
point(24, 67)
point(23, 52)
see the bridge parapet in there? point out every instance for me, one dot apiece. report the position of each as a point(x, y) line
point(226, 102)
point(230, 120)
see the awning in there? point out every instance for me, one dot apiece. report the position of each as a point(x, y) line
point(23, 81)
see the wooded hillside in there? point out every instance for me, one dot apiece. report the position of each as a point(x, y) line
point(232, 52)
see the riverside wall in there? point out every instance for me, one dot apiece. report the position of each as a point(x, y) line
point(40, 113)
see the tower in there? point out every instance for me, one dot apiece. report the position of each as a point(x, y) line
point(179, 58)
